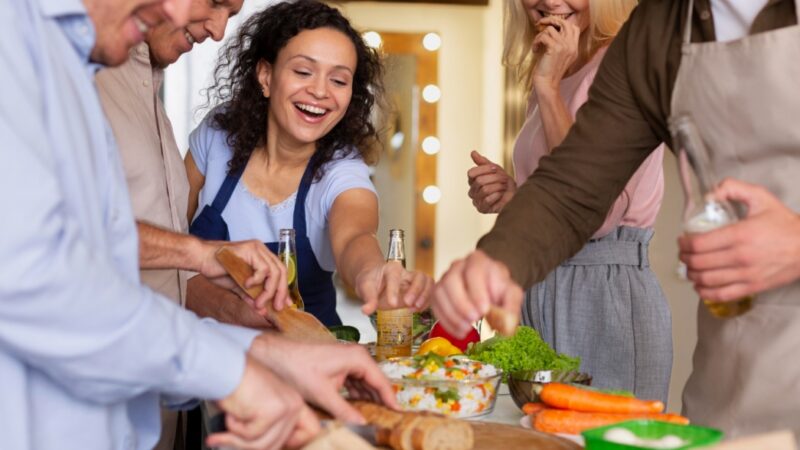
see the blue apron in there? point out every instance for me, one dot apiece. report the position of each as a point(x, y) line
point(316, 284)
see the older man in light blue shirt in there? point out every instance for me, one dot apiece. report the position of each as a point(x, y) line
point(86, 352)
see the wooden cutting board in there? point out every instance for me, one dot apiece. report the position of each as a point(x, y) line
point(493, 436)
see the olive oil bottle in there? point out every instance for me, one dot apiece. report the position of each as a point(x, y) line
point(703, 212)
point(287, 252)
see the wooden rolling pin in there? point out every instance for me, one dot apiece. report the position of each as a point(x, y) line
point(292, 323)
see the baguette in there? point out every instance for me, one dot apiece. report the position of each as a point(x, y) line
point(401, 438)
point(436, 433)
point(416, 430)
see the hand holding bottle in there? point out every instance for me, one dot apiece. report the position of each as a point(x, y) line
point(390, 286)
point(760, 252)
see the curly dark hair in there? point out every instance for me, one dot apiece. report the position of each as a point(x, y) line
point(244, 112)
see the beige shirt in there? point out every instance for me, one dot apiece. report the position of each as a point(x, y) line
point(154, 170)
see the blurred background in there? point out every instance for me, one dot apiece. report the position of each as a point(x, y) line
point(449, 95)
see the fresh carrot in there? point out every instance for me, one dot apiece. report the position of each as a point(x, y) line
point(533, 407)
point(574, 422)
point(564, 396)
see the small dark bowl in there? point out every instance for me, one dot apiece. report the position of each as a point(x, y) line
point(524, 385)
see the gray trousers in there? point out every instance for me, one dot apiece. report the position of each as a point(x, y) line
point(605, 305)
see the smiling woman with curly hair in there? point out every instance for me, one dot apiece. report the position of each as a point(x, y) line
point(288, 146)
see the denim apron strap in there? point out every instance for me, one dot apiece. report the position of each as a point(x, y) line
point(210, 224)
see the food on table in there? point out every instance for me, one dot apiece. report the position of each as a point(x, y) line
point(345, 333)
point(525, 350)
point(416, 430)
point(472, 336)
point(438, 345)
point(565, 396)
point(620, 435)
point(423, 322)
point(574, 422)
point(502, 320)
point(533, 407)
point(454, 385)
point(572, 409)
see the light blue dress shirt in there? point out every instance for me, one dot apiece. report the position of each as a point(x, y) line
point(86, 352)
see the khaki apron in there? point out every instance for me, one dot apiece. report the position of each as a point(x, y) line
point(744, 96)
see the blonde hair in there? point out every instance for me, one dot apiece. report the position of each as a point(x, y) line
point(605, 19)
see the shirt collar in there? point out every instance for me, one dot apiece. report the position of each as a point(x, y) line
point(74, 20)
point(61, 8)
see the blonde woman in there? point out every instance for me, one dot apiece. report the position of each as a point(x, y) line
point(604, 304)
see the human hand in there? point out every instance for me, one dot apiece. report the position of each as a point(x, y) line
point(490, 187)
point(557, 46)
point(319, 371)
point(760, 252)
point(267, 270)
point(469, 287)
point(391, 286)
point(264, 413)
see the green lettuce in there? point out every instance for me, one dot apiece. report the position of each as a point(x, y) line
point(524, 351)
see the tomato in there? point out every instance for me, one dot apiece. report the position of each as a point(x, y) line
point(438, 331)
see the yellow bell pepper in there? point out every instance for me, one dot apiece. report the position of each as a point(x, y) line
point(438, 345)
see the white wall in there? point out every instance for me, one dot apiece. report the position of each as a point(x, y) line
point(470, 110)
point(470, 117)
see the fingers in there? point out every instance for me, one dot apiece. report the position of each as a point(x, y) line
point(356, 390)
point(731, 292)
point(368, 288)
point(340, 409)
point(488, 185)
point(477, 171)
point(755, 197)
point(711, 241)
point(477, 288)
point(479, 159)
point(372, 377)
point(240, 436)
point(306, 429)
point(704, 279)
point(452, 305)
point(392, 273)
point(417, 290)
point(717, 259)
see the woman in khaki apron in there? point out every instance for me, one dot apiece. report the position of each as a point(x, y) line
point(743, 96)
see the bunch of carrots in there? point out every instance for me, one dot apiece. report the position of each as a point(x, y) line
point(569, 409)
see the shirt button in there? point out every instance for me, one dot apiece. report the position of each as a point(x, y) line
point(83, 29)
point(145, 83)
point(705, 14)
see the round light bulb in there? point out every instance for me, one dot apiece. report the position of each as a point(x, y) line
point(372, 38)
point(431, 93)
point(432, 42)
point(432, 194)
point(431, 145)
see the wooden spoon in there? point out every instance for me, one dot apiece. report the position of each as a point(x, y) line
point(292, 323)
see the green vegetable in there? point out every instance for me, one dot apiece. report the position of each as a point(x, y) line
point(345, 333)
point(524, 351)
point(444, 396)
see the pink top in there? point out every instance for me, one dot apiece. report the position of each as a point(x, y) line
point(639, 202)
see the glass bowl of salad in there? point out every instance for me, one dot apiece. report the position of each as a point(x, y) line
point(455, 386)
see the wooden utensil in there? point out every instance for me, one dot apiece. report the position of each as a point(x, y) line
point(291, 322)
